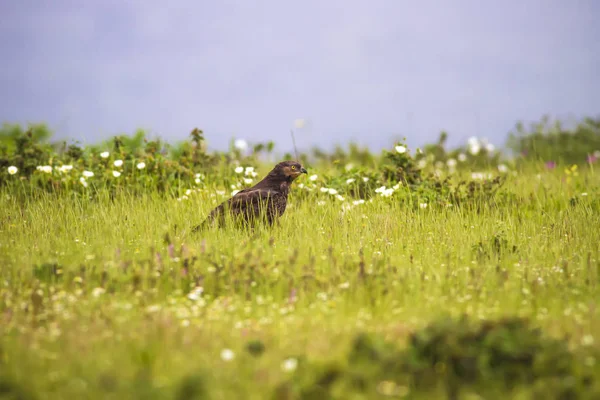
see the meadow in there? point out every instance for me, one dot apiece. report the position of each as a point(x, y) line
point(414, 273)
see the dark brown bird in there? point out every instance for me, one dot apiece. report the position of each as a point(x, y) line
point(266, 200)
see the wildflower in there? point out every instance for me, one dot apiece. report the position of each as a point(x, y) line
point(339, 197)
point(197, 180)
point(584, 194)
point(321, 203)
point(104, 154)
point(388, 192)
point(116, 174)
point(240, 144)
point(65, 168)
point(83, 181)
point(332, 191)
point(592, 158)
point(88, 174)
point(349, 181)
point(299, 123)
point(234, 192)
point(289, 365)
point(188, 192)
point(451, 163)
point(141, 165)
point(227, 355)
point(474, 149)
point(357, 202)
point(490, 147)
point(97, 292)
point(401, 149)
point(118, 163)
point(380, 189)
point(587, 340)
point(473, 141)
point(247, 181)
point(349, 166)
point(502, 168)
point(365, 179)
point(239, 170)
point(550, 164)
point(423, 205)
point(462, 157)
point(422, 163)
point(13, 170)
point(46, 168)
point(313, 178)
point(248, 171)
point(344, 285)
point(195, 294)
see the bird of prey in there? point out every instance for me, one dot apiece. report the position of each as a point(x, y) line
point(264, 201)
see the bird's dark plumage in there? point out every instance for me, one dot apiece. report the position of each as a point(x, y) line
point(266, 200)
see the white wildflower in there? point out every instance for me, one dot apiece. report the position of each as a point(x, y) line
point(46, 169)
point(473, 141)
point(357, 202)
point(332, 191)
point(324, 190)
point(65, 168)
point(365, 179)
point(289, 365)
point(118, 163)
point(239, 170)
point(240, 144)
point(234, 192)
point(339, 197)
point(474, 149)
point(248, 171)
point(141, 165)
point(349, 166)
point(462, 157)
point(349, 181)
point(401, 149)
point(227, 355)
point(584, 194)
point(490, 147)
point(422, 163)
point(13, 170)
point(299, 123)
point(451, 163)
point(502, 168)
point(104, 154)
point(97, 292)
point(116, 174)
point(313, 177)
point(423, 205)
point(247, 181)
point(83, 181)
point(188, 192)
point(88, 174)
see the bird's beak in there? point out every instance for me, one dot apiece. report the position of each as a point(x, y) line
point(303, 170)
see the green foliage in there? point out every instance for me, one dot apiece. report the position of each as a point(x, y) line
point(106, 293)
point(552, 142)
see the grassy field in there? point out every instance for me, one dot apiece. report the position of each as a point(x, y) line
point(112, 297)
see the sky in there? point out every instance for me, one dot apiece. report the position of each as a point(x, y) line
point(364, 71)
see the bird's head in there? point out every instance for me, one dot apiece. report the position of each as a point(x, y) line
point(288, 170)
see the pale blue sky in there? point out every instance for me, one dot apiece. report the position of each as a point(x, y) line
point(367, 71)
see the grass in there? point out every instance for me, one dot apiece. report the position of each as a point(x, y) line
point(113, 297)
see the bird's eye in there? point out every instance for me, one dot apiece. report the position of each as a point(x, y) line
point(293, 167)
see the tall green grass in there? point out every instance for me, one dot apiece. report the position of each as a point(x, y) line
point(112, 296)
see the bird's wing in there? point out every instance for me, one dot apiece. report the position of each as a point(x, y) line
point(248, 198)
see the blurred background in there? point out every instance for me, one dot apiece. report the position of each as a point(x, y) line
point(368, 72)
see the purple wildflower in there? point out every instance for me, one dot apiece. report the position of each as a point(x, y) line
point(550, 164)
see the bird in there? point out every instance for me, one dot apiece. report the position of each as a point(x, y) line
point(264, 201)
